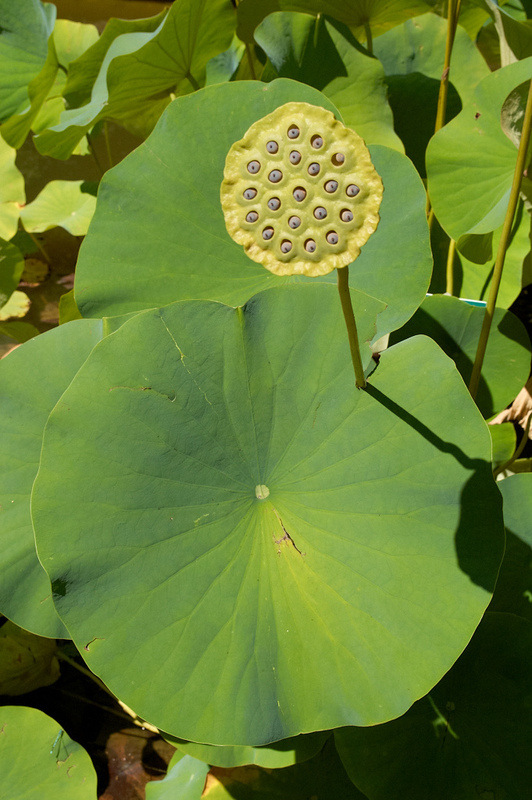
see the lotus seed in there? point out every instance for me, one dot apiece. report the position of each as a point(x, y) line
point(346, 215)
point(313, 168)
point(331, 186)
point(332, 237)
point(252, 216)
point(267, 233)
point(293, 132)
point(337, 159)
point(316, 142)
point(253, 167)
point(299, 194)
point(294, 222)
point(286, 246)
point(310, 246)
point(275, 175)
point(320, 212)
point(352, 190)
point(274, 203)
point(272, 147)
point(295, 157)
point(250, 193)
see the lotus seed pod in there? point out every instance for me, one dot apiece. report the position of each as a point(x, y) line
point(327, 192)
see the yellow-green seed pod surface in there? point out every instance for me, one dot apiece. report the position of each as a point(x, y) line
point(300, 192)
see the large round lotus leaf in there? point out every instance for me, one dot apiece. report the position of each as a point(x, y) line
point(322, 778)
point(513, 592)
point(456, 327)
point(274, 756)
point(32, 379)
point(246, 520)
point(471, 161)
point(60, 203)
point(324, 53)
point(38, 761)
point(470, 738)
point(159, 220)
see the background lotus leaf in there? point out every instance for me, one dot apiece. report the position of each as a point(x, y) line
point(503, 441)
point(242, 525)
point(180, 249)
point(185, 780)
point(471, 732)
point(60, 203)
point(471, 162)
point(11, 267)
point(25, 27)
point(12, 194)
point(38, 759)
point(275, 756)
point(323, 777)
point(27, 662)
point(412, 56)
point(513, 592)
point(17, 306)
point(324, 54)
point(456, 327)
point(142, 72)
point(380, 15)
point(32, 379)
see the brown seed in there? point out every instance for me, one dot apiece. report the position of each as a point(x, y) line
point(294, 157)
point(253, 167)
point(272, 147)
point(332, 237)
point(346, 215)
point(352, 190)
point(275, 176)
point(337, 159)
point(267, 233)
point(286, 246)
point(294, 222)
point(274, 203)
point(252, 216)
point(316, 142)
point(313, 168)
point(330, 186)
point(299, 194)
point(293, 132)
point(320, 212)
point(250, 193)
point(310, 246)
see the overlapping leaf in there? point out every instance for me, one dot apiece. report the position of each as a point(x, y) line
point(24, 30)
point(324, 54)
point(246, 520)
point(11, 266)
point(471, 162)
point(12, 194)
point(274, 756)
point(141, 72)
point(470, 735)
point(63, 204)
point(38, 759)
point(32, 379)
point(456, 327)
point(159, 221)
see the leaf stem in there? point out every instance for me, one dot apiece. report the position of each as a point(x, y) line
point(349, 316)
point(93, 153)
point(192, 80)
point(39, 246)
point(518, 451)
point(107, 143)
point(503, 244)
point(62, 657)
point(249, 55)
point(369, 37)
point(449, 287)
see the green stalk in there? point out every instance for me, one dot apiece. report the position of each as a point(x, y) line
point(107, 143)
point(503, 244)
point(369, 37)
point(349, 316)
point(192, 80)
point(453, 12)
point(521, 447)
point(93, 154)
point(449, 288)
point(250, 61)
point(39, 246)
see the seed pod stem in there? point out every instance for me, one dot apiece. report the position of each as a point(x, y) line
point(349, 316)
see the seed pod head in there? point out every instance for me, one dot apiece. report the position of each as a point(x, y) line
point(330, 187)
